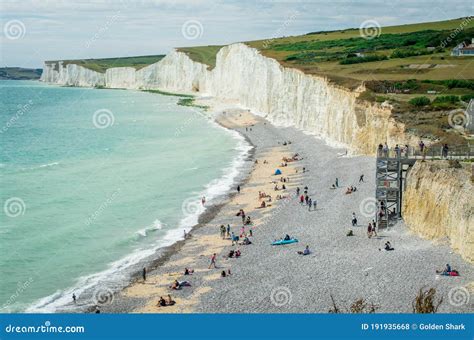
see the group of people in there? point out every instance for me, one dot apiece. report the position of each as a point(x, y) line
point(305, 199)
point(383, 150)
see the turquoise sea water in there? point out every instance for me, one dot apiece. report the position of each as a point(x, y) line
point(93, 181)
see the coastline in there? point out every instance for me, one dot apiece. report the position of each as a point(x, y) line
point(345, 267)
point(276, 275)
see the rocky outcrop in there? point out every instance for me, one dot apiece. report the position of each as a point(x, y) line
point(439, 204)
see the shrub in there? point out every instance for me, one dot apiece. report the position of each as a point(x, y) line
point(467, 97)
point(446, 99)
point(425, 302)
point(420, 101)
point(359, 60)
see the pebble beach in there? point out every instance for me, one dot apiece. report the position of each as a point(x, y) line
point(275, 279)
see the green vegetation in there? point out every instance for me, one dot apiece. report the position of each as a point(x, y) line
point(446, 99)
point(420, 101)
point(184, 99)
point(18, 73)
point(202, 54)
point(190, 102)
point(101, 65)
point(170, 93)
point(358, 60)
point(467, 97)
point(453, 83)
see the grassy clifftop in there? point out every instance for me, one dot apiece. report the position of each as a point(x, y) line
point(408, 66)
point(101, 65)
point(18, 73)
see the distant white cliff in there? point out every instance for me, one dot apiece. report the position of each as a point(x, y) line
point(286, 96)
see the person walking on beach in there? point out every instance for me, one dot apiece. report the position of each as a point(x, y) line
point(228, 230)
point(74, 297)
point(144, 274)
point(310, 203)
point(297, 191)
point(337, 182)
point(222, 231)
point(354, 219)
point(315, 203)
point(361, 178)
point(238, 189)
point(369, 230)
point(203, 200)
point(301, 199)
point(213, 261)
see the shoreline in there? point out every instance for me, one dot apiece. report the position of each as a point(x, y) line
point(206, 293)
point(216, 199)
point(261, 274)
point(125, 304)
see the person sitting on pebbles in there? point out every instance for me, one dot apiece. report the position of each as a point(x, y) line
point(306, 251)
point(164, 303)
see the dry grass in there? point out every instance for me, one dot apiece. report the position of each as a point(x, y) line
point(360, 306)
point(426, 302)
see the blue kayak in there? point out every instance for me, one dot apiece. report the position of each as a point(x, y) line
point(280, 242)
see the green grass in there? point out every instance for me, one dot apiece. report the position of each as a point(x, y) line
point(170, 93)
point(101, 65)
point(18, 73)
point(202, 54)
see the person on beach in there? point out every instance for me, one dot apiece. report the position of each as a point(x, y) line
point(74, 297)
point(242, 232)
point(297, 191)
point(188, 271)
point(304, 252)
point(170, 301)
point(388, 246)
point(337, 182)
point(310, 203)
point(369, 230)
point(213, 261)
point(374, 231)
point(306, 198)
point(361, 178)
point(228, 230)
point(203, 200)
point(315, 203)
point(301, 199)
point(238, 189)
point(234, 238)
point(222, 228)
point(354, 219)
point(144, 274)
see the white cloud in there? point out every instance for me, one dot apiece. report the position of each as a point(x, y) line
point(57, 29)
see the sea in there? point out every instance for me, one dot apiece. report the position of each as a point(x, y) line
point(95, 182)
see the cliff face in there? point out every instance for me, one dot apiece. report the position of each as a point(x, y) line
point(438, 204)
point(71, 75)
point(287, 97)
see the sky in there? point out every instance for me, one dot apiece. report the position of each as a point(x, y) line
point(38, 30)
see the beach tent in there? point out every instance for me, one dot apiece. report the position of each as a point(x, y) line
point(277, 172)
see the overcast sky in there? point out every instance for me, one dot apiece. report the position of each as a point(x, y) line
point(38, 30)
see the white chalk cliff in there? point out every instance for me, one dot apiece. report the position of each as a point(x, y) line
point(287, 97)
